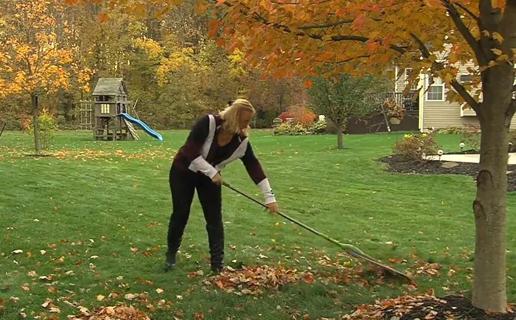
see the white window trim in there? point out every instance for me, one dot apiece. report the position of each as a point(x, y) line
point(428, 92)
point(469, 112)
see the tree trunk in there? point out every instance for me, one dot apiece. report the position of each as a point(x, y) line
point(340, 144)
point(35, 123)
point(489, 207)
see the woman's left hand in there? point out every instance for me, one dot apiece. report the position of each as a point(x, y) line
point(272, 207)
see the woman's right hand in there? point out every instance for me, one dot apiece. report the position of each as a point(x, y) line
point(272, 207)
point(217, 179)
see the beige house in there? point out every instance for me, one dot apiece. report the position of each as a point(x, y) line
point(433, 108)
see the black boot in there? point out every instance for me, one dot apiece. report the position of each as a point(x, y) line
point(170, 262)
point(216, 269)
point(216, 242)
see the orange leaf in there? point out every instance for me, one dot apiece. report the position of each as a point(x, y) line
point(213, 28)
point(308, 278)
point(220, 42)
point(358, 23)
point(308, 84)
point(103, 17)
point(340, 12)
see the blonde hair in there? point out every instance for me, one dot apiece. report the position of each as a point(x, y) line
point(231, 115)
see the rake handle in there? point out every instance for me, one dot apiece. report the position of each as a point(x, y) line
point(351, 250)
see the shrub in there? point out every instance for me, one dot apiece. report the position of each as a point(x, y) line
point(416, 146)
point(47, 128)
point(298, 114)
point(318, 127)
point(276, 122)
point(471, 137)
point(292, 129)
point(394, 109)
point(451, 130)
point(295, 129)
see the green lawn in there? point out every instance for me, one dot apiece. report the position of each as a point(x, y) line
point(92, 221)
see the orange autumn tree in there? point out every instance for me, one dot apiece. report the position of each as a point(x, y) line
point(302, 37)
point(32, 62)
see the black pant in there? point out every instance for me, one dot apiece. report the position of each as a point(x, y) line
point(182, 185)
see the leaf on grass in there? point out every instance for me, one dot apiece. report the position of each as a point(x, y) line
point(254, 280)
point(112, 313)
point(194, 274)
point(130, 296)
point(46, 303)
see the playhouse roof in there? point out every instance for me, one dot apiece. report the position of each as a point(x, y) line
point(110, 87)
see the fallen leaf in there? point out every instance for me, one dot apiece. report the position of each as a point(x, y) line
point(130, 296)
point(32, 274)
point(46, 303)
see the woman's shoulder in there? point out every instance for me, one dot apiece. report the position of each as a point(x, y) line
point(205, 120)
point(218, 119)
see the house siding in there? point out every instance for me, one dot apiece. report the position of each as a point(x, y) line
point(443, 114)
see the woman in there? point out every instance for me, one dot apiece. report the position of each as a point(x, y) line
point(214, 141)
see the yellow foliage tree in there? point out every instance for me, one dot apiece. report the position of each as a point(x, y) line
point(32, 62)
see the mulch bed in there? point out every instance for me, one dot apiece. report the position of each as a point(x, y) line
point(398, 164)
point(425, 307)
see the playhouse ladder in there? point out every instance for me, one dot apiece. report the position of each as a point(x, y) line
point(132, 130)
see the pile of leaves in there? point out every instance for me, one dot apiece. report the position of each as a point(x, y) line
point(253, 280)
point(426, 307)
point(121, 312)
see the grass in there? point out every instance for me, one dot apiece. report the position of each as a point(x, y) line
point(92, 220)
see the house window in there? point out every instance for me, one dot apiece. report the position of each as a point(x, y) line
point(465, 78)
point(435, 92)
point(104, 108)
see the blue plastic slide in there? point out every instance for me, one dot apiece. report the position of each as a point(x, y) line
point(143, 125)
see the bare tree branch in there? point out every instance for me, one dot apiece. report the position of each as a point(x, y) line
point(352, 58)
point(469, 12)
point(296, 2)
point(466, 96)
point(332, 24)
point(327, 25)
point(422, 47)
point(489, 16)
point(507, 27)
point(465, 32)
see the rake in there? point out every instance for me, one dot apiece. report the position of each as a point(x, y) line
point(349, 249)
